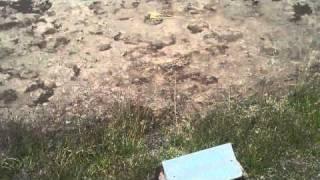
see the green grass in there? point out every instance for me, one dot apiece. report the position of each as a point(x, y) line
point(274, 138)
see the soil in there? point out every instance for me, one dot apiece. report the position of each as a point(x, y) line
point(75, 58)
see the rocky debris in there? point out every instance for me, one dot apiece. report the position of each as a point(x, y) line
point(3, 78)
point(193, 8)
point(96, 7)
point(6, 23)
point(8, 96)
point(40, 91)
point(129, 4)
point(61, 41)
point(198, 27)
point(5, 51)
point(135, 4)
point(104, 47)
point(153, 18)
point(140, 80)
point(133, 39)
point(41, 96)
point(217, 49)
point(6, 11)
point(28, 74)
point(117, 36)
point(49, 84)
point(42, 29)
point(180, 62)
point(270, 51)
point(210, 7)
point(17, 20)
point(209, 80)
point(76, 72)
point(38, 84)
point(225, 36)
point(18, 73)
point(199, 77)
point(10, 72)
point(300, 9)
point(25, 19)
point(222, 48)
point(161, 43)
point(125, 18)
point(95, 30)
point(26, 6)
point(39, 42)
point(156, 45)
point(53, 44)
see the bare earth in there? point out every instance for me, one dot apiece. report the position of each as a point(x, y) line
point(74, 58)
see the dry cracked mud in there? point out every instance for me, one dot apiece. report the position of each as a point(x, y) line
point(74, 58)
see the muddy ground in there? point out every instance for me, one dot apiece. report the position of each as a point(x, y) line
point(74, 58)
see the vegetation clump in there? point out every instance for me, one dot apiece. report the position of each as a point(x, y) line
point(274, 138)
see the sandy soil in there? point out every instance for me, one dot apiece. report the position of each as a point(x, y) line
point(74, 58)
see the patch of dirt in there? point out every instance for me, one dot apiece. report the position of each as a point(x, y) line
point(75, 58)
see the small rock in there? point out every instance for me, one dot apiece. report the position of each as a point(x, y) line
point(209, 80)
point(226, 36)
point(26, 19)
point(8, 96)
point(40, 6)
point(28, 74)
point(96, 7)
point(61, 41)
point(270, 51)
point(231, 36)
point(6, 23)
point(135, 4)
point(95, 30)
point(210, 7)
point(39, 42)
point(76, 72)
point(197, 76)
point(104, 47)
point(34, 86)
point(140, 80)
point(43, 29)
point(156, 45)
point(217, 49)
point(50, 84)
point(222, 48)
point(51, 13)
point(117, 36)
point(197, 27)
point(4, 78)
point(192, 9)
point(41, 96)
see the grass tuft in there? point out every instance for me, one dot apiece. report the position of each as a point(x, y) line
point(274, 138)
